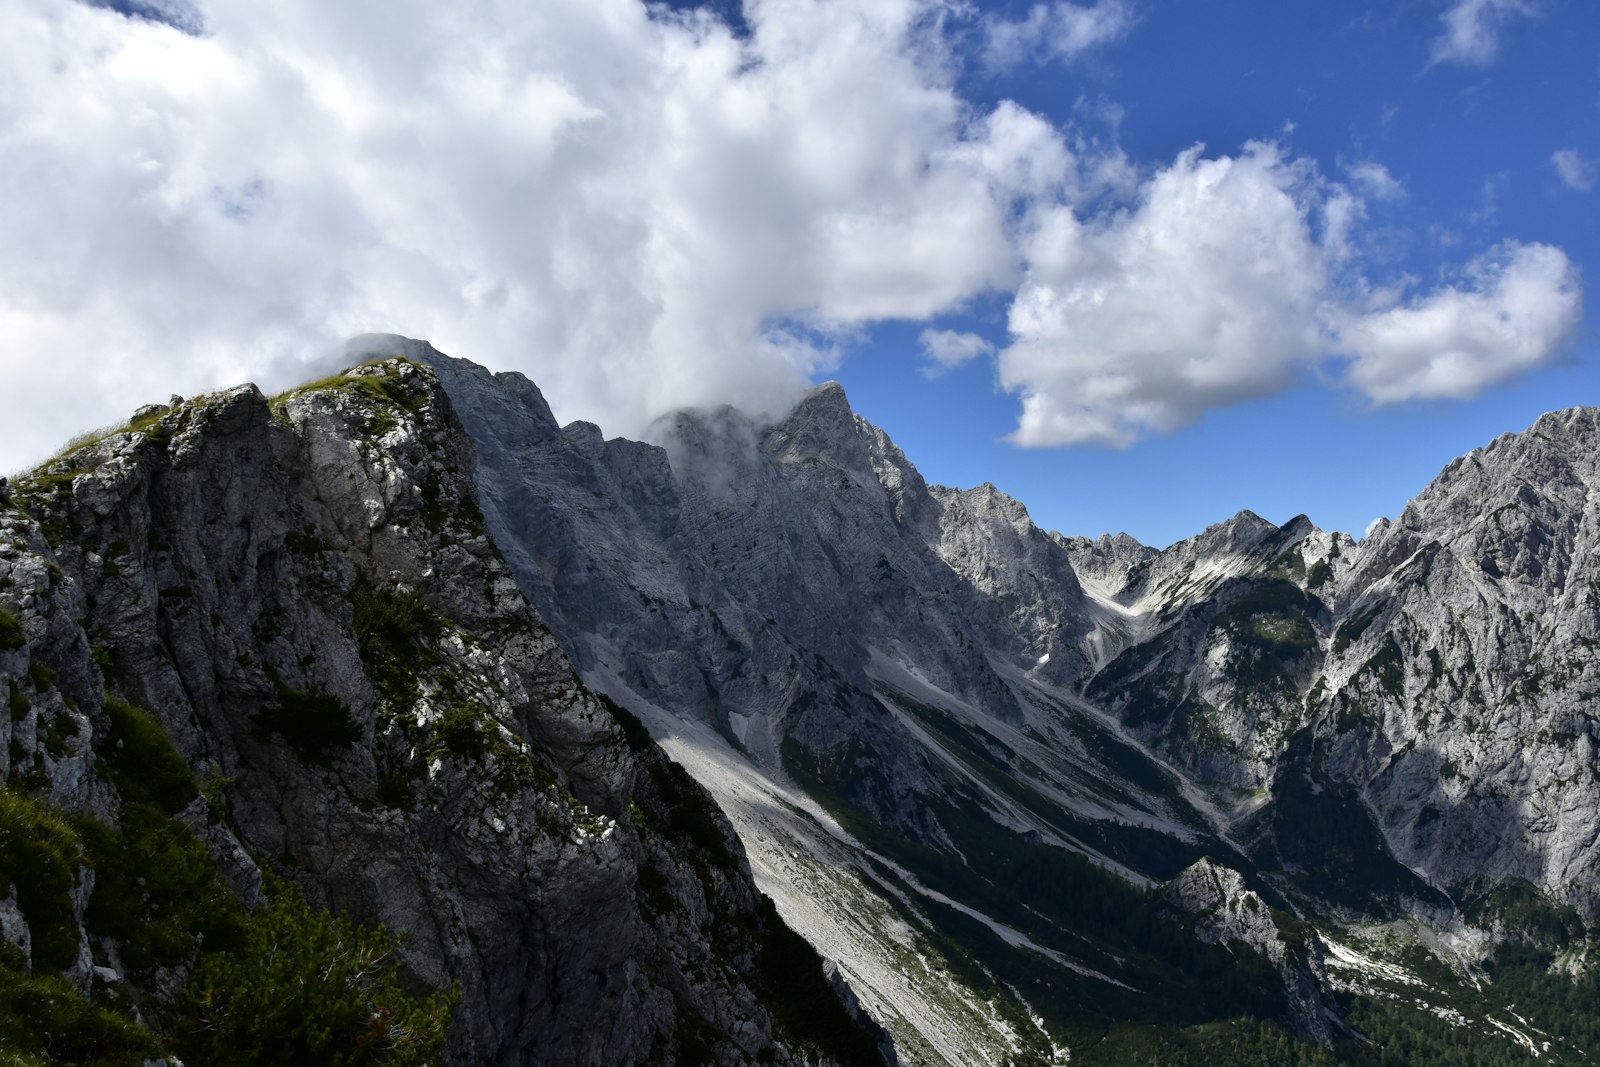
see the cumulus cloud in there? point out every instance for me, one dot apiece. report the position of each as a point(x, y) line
point(1206, 293)
point(1228, 278)
point(1060, 31)
point(1515, 308)
point(1473, 30)
point(951, 348)
point(1575, 171)
point(639, 208)
point(643, 209)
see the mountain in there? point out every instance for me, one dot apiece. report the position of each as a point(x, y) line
point(1270, 795)
point(295, 603)
point(795, 612)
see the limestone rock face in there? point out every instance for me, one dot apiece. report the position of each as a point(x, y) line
point(988, 539)
point(1224, 911)
point(731, 566)
point(1459, 684)
point(305, 596)
point(1105, 561)
point(1220, 647)
point(1435, 676)
point(787, 605)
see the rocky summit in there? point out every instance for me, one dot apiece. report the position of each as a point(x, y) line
point(745, 744)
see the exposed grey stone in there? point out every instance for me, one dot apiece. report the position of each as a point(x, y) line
point(1224, 910)
point(216, 556)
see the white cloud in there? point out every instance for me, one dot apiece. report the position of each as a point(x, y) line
point(1473, 28)
point(1578, 173)
point(1517, 309)
point(635, 207)
point(1206, 293)
point(1375, 181)
point(1228, 278)
point(1488, 208)
point(1060, 31)
point(951, 348)
point(642, 210)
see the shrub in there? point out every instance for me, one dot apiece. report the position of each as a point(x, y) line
point(156, 889)
point(11, 632)
point(310, 722)
point(44, 1020)
point(144, 765)
point(41, 676)
point(459, 732)
point(305, 987)
point(39, 856)
point(395, 633)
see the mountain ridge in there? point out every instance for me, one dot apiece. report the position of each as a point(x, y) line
point(303, 595)
point(1217, 579)
point(1030, 793)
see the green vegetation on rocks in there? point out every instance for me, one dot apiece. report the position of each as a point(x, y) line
point(144, 765)
point(395, 634)
point(45, 1020)
point(289, 984)
point(381, 382)
point(11, 632)
point(304, 987)
point(39, 858)
point(311, 723)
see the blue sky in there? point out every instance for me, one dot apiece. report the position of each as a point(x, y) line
point(1471, 143)
point(1140, 264)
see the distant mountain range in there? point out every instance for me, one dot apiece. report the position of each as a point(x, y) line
point(1271, 795)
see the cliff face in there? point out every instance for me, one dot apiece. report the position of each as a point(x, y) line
point(303, 595)
point(1460, 682)
point(872, 675)
point(1439, 675)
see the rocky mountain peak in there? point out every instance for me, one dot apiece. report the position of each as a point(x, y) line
point(304, 595)
point(585, 437)
point(1298, 527)
point(987, 500)
point(1121, 543)
point(822, 426)
point(510, 398)
point(717, 450)
point(1106, 561)
point(1240, 533)
point(1519, 510)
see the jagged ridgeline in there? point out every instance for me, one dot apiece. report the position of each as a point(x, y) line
point(293, 774)
point(372, 670)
